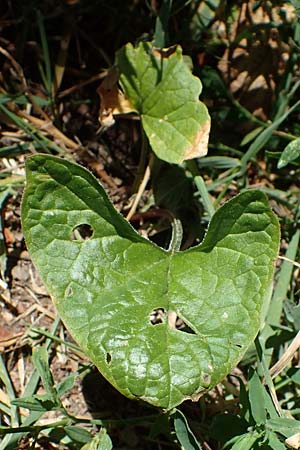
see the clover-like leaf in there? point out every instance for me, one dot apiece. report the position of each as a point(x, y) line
point(161, 326)
point(161, 87)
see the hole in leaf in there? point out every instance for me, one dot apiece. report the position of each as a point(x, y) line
point(157, 316)
point(206, 379)
point(108, 358)
point(82, 232)
point(238, 345)
point(69, 292)
point(178, 323)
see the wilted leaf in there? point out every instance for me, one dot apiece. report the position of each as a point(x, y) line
point(112, 100)
point(162, 89)
point(108, 284)
point(293, 441)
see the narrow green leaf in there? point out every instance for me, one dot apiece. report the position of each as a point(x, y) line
point(257, 399)
point(14, 150)
point(77, 434)
point(273, 312)
point(284, 279)
point(100, 442)
point(251, 136)
point(205, 13)
point(289, 154)
point(271, 404)
point(263, 137)
point(218, 162)
point(65, 385)
point(208, 205)
point(183, 432)
point(6, 380)
point(294, 375)
point(270, 408)
point(244, 401)
point(40, 360)
point(28, 129)
point(275, 443)
point(36, 403)
point(161, 24)
point(109, 285)
point(5, 409)
point(10, 441)
point(45, 52)
point(246, 442)
point(284, 426)
point(3, 257)
point(166, 95)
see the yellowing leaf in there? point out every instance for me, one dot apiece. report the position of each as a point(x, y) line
point(293, 441)
point(112, 100)
point(163, 90)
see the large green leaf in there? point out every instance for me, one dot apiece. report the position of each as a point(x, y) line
point(108, 288)
point(163, 91)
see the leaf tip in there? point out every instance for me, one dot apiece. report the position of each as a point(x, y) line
point(199, 147)
point(281, 163)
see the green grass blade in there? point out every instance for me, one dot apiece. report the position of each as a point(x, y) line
point(26, 128)
point(263, 138)
point(257, 400)
point(10, 441)
point(283, 282)
point(279, 295)
point(41, 142)
point(161, 24)
point(246, 441)
point(5, 378)
point(202, 189)
point(3, 257)
point(40, 360)
point(46, 55)
point(13, 150)
point(48, 334)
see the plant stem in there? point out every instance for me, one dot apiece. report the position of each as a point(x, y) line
point(176, 238)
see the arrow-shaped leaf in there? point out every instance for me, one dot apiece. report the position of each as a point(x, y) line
point(160, 326)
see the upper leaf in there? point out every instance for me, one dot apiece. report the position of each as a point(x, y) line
point(108, 287)
point(164, 92)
